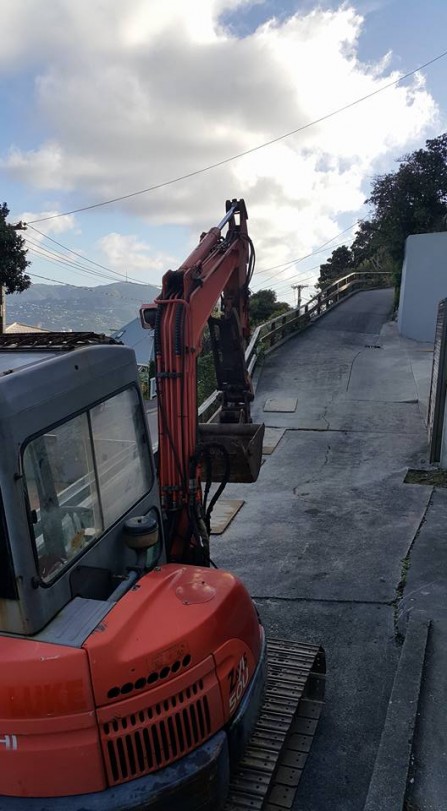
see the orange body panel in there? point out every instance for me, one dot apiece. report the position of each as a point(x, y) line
point(161, 674)
point(49, 743)
point(170, 621)
point(235, 665)
point(154, 673)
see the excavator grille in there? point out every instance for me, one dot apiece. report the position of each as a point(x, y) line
point(152, 737)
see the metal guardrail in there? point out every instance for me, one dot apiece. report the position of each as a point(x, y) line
point(269, 336)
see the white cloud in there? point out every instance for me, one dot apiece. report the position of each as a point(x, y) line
point(127, 253)
point(55, 224)
point(133, 94)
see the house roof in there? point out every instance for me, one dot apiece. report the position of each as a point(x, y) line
point(18, 327)
point(139, 339)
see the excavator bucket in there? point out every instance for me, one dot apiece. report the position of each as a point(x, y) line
point(233, 451)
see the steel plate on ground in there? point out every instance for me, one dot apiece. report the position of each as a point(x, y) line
point(284, 404)
point(272, 437)
point(223, 513)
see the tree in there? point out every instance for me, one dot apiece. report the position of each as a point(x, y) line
point(13, 261)
point(338, 264)
point(412, 200)
point(264, 306)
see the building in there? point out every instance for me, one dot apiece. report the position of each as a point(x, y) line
point(139, 339)
point(17, 327)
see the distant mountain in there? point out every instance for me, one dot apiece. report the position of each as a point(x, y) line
point(105, 308)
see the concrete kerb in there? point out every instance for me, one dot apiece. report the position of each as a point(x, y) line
point(389, 779)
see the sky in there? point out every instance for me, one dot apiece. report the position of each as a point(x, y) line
point(101, 99)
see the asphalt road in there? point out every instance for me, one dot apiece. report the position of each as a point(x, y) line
point(321, 538)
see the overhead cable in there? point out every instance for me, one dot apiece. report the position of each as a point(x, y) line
point(63, 259)
point(83, 287)
point(56, 281)
point(308, 255)
point(84, 258)
point(247, 151)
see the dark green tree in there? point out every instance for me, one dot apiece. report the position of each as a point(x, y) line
point(365, 244)
point(339, 263)
point(264, 306)
point(412, 200)
point(13, 261)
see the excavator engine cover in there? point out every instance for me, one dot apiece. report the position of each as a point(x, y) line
point(233, 449)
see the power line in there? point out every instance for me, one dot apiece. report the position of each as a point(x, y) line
point(275, 275)
point(84, 258)
point(64, 260)
point(81, 287)
point(317, 250)
point(287, 265)
point(57, 257)
point(296, 277)
point(56, 261)
point(307, 270)
point(56, 281)
point(60, 259)
point(282, 288)
point(247, 151)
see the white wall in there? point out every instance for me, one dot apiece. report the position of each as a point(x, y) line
point(424, 284)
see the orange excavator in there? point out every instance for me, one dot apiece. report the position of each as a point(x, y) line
point(134, 672)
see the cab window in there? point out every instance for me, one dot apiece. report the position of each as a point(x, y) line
point(119, 443)
point(82, 476)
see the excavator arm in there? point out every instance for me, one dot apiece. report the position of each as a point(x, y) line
point(215, 275)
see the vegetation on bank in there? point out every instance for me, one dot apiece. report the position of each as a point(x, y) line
point(410, 200)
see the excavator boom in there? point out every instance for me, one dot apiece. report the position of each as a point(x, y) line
point(211, 286)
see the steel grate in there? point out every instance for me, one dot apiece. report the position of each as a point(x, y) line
point(155, 736)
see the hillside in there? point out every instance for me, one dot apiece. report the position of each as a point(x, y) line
point(60, 307)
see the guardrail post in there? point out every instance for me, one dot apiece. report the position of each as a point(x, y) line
point(319, 304)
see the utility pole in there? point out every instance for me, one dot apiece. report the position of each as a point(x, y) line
point(18, 227)
point(298, 288)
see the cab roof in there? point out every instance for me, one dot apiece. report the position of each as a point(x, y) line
point(18, 350)
point(10, 361)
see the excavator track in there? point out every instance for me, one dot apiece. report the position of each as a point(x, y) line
point(267, 777)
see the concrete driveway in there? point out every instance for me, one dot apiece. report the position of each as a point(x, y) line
point(322, 537)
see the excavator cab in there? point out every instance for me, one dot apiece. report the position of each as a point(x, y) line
point(127, 682)
point(76, 467)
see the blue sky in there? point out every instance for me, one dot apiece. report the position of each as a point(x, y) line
point(100, 100)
